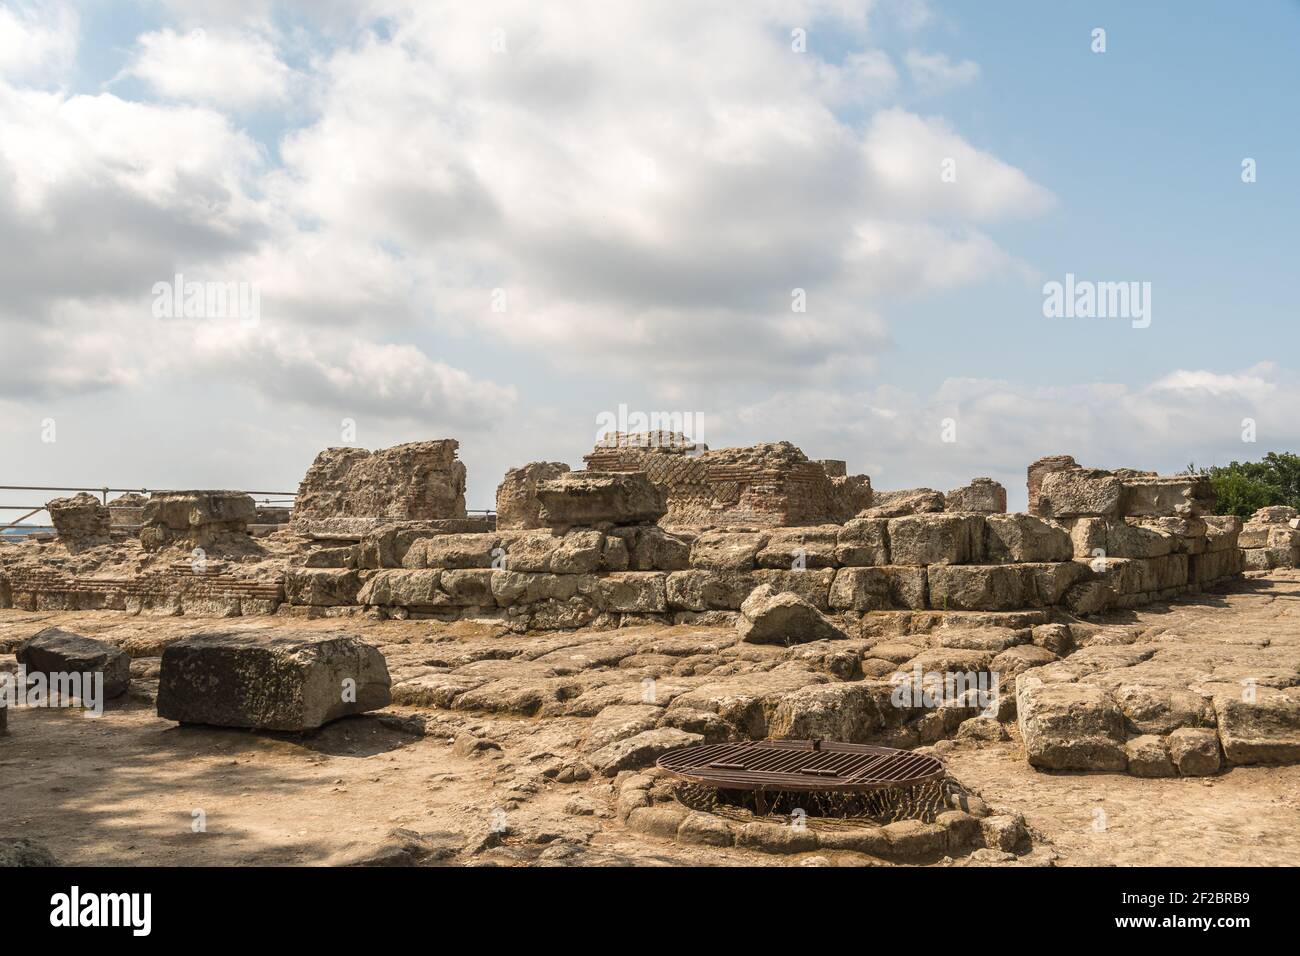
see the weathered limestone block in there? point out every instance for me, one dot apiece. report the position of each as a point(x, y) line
point(1194, 750)
point(927, 539)
point(356, 490)
point(878, 589)
point(834, 467)
point(1023, 537)
point(591, 498)
point(1070, 726)
point(54, 651)
point(977, 587)
point(1080, 493)
point(769, 617)
point(981, 496)
point(632, 592)
point(1040, 470)
point(321, 587)
point(860, 589)
point(518, 508)
point(521, 587)
point(1127, 576)
point(850, 712)
point(863, 542)
point(651, 548)
point(1275, 514)
point(1214, 566)
point(813, 586)
point(1263, 730)
point(641, 750)
point(699, 590)
point(468, 587)
point(1148, 757)
point(1124, 540)
point(746, 701)
point(579, 552)
point(287, 681)
point(1157, 495)
point(394, 588)
point(1090, 597)
point(1160, 710)
point(911, 501)
point(727, 550)
point(454, 551)
point(195, 516)
point(799, 548)
point(80, 521)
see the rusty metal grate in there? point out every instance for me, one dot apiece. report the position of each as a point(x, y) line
point(802, 766)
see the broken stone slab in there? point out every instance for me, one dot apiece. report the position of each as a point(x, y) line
point(911, 501)
point(593, 498)
point(1194, 750)
point(1070, 726)
point(518, 507)
point(640, 750)
point(55, 651)
point(771, 617)
point(1149, 757)
point(292, 681)
point(981, 496)
point(1264, 729)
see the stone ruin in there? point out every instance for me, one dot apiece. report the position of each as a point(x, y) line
point(656, 528)
point(1271, 539)
point(348, 492)
point(767, 485)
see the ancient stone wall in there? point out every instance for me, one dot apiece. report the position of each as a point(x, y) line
point(767, 485)
point(923, 565)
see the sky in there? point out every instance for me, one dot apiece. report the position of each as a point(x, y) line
point(819, 221)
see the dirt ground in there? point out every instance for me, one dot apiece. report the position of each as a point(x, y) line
point(129, 788)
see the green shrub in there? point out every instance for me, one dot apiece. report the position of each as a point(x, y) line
point(1244, 487)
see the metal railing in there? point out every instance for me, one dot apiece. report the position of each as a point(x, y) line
point(269, 499)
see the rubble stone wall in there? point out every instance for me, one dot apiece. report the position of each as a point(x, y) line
point(1271, 539)
point(349, 491)
point(767, 485)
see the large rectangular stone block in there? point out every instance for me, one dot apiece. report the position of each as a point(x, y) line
point(1023, 537)
point(700, 590)
point(727, 550)
point(592, 498)
point(632, 592)
point(795, 548)
point(292, 681)
point(1080, 493)
point(926, 539)
point(863, 542)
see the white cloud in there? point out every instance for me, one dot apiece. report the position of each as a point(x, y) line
point(894, 434)
point(237, 71)
point(37, 39)
point(938, 73)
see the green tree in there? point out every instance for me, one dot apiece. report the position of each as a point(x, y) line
point(1243, 487)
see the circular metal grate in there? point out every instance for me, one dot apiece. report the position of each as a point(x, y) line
point(801, 765)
